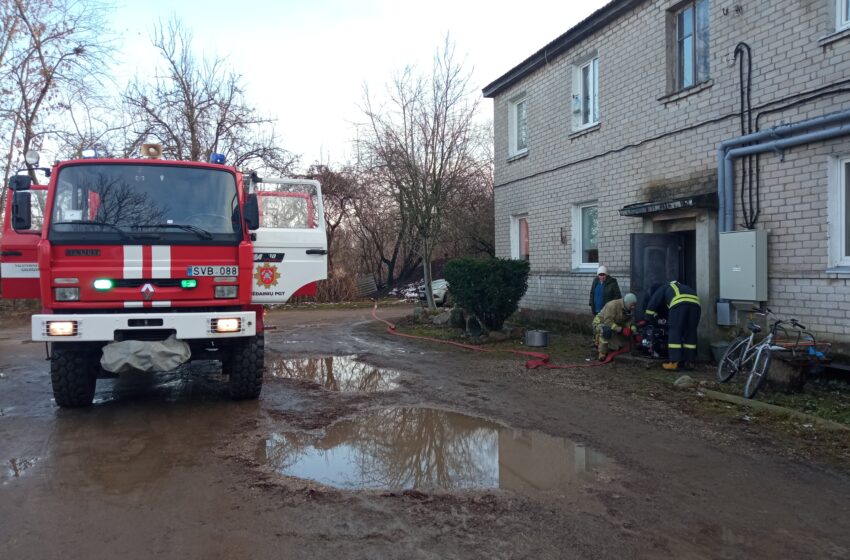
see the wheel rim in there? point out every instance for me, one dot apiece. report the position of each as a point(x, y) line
point(758, 373)
point(728, 366)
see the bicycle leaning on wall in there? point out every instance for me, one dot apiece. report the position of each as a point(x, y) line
point(745, 355)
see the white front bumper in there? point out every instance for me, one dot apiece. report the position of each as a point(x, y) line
point(102, 327)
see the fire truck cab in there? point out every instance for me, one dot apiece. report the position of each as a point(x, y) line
point(145, 264)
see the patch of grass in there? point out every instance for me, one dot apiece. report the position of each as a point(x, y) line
point(432, 331)
point(566, 348)
point(552, 325)
point(830, 401)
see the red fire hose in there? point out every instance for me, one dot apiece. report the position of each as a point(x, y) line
point(540, 360)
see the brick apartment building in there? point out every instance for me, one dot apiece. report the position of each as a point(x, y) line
point(612, 131)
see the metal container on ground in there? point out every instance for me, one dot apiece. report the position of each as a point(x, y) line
point(537, 339)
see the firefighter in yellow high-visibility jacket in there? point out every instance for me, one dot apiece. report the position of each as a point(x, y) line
point(682, 320)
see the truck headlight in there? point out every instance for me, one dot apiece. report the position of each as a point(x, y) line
point(67, 294)
point(61, 328)
point(225, 292)
point(227, 325)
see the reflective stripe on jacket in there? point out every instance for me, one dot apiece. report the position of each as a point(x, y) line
point(680, 297)
point(671, 295)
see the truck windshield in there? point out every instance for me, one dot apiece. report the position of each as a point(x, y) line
point(155, 203)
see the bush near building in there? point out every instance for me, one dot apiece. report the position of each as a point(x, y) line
point(489, 289)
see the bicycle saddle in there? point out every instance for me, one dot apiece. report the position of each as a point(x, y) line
point(753, 327)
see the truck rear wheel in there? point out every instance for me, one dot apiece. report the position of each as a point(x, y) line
point(73, 374)
point(245, 368)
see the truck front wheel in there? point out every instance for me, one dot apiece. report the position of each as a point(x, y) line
point(73, 374)
point(245, 368)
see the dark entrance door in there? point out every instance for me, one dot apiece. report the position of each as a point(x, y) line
point(657, 258)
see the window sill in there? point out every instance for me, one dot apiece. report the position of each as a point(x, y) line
point(515, 157)
point(586, 130)
point(590, 271)
point(839, 270)
point(833, 37)
point(681, 94)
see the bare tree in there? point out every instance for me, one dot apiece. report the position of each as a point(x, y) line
point(96, 122)
point(470, 219)
point(198, 107)
point(387, 237)
point(47, 47)
point(423, 139)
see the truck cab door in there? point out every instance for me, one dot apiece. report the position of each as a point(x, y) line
point(19, 247)
point(290, 246)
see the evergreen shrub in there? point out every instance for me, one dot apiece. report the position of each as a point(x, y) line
point(489, 289)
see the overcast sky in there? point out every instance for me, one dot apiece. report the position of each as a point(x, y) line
point(305, 62)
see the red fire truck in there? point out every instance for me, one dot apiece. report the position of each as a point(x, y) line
point(145, 264)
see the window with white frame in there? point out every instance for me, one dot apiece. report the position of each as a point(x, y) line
point(589, 93)
point(518, 126)
point(691, 44)
point(520, 248)
point(585, 228)
point(842, 14)
point(839, 212)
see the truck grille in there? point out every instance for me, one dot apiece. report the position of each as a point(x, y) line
point(144, 334)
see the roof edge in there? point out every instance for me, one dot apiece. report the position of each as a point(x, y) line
point(588, 26)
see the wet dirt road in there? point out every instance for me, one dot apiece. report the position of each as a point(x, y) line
point(419, 452)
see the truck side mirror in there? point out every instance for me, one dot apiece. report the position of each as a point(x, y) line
point(252, 212)
point(20, 182)
point(22, 210)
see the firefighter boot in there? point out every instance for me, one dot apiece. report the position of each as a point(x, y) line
point(603, 350)
point(670, 366)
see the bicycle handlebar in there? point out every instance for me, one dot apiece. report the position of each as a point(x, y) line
point(798, 325)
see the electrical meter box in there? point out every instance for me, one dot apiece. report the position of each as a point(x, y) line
point(743, 265)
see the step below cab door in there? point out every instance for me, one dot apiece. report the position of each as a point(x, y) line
point(290, 246)
point(19, 242)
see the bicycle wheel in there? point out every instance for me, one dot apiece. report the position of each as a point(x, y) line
point(730, 363)
point(761, 367)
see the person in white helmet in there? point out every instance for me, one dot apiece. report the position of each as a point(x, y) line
point(603, 289)
point(613, 326)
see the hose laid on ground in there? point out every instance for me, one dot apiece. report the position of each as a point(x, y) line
point(540, 360)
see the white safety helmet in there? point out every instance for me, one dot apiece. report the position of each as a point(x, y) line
point(602, 270)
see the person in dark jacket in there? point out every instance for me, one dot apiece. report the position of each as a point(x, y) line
point(683, 312)
point(603, 290)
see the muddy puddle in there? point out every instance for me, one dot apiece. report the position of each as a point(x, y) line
point(428, 449)
point(334, 373)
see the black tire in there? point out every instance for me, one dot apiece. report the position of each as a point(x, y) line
point(245, 366)
point(73, 374)
point(758, 373)
point(731, 360)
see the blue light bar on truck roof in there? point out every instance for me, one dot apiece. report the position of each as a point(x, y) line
point(217, 158)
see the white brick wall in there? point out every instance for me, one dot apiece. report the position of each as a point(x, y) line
point(562, 169)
